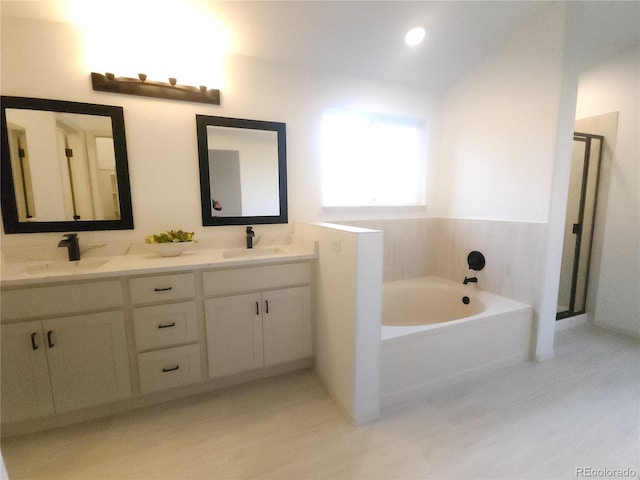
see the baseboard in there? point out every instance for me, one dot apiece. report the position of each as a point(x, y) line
point(620, 331)
point(544, 358)
point(571, 322)
point(354, 418)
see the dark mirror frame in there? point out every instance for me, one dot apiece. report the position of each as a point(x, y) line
point(8, 200)
point(202, 122)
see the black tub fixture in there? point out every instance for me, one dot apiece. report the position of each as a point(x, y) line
point(475, 260)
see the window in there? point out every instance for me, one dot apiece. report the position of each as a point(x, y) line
point(371, 160)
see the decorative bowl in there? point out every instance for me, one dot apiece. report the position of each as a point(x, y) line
point(169, 249)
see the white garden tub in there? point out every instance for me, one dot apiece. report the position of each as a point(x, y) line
point(436, 331)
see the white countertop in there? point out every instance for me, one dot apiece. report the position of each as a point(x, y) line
point(28, 273)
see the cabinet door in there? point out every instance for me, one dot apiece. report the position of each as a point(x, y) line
point(88, 359)
point(234, 334)
point(26, 391)
point(287, 325)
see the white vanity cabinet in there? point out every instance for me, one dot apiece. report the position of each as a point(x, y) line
point(126, 338)
point(270, 325)
point(166, 334)
point(68, 361)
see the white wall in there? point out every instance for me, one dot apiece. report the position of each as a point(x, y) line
point(47, 60)
point(499, 128)
point(348, 315)
point(614, 86)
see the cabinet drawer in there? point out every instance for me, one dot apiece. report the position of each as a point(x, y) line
point(165, 325)
point(162, 287)
point(222, 282)
point(169, 368)
point(60, 299)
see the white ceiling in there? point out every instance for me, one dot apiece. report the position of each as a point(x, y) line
point(366, 38)
point(361, 38)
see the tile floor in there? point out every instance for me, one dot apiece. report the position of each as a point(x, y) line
point(580, 410)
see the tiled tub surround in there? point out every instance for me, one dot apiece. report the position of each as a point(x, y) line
point(421, 247)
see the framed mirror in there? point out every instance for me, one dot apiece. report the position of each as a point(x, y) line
point(64, 167)
point(243, 171)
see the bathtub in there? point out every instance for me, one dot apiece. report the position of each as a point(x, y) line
point(435, 331)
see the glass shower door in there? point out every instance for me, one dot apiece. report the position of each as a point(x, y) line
point(578, 238)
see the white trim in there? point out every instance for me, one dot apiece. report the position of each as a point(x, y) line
point(571, 322)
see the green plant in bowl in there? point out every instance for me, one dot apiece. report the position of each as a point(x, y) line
point(171, 243)
point(171, 236)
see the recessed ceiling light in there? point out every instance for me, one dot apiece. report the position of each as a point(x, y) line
point(415, 36)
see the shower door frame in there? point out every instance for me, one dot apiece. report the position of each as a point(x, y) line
point(587, 138)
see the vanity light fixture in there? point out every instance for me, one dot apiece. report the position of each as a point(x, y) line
point(147, 88)
point(415, 36)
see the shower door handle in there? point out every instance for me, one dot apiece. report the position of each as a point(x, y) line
point(577, 228)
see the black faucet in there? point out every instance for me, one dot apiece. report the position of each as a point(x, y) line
point(250, 235)
point(470, 280)
point(71, 242)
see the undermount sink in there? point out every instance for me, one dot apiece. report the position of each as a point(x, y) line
point(63, 266)
point(251, 252)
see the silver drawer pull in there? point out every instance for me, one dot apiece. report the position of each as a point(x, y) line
point(167, 325)
point(171, 369)
point(164, 289)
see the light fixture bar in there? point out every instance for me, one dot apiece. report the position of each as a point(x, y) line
point(146, 88)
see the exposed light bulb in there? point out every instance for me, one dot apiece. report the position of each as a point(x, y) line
point(415, 36)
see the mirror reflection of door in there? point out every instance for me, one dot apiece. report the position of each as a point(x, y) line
point(579, 223)
point(107, 183)
point(226, 187)
point(22, 183)
point(251, 158)
point(63, 166)
point(72, 161)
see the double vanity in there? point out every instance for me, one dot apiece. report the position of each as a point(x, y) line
point(86, 338)
point(104, 334)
